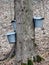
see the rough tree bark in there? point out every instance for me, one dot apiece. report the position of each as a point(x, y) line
point(25, 30)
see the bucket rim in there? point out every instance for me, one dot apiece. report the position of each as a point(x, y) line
point(38, 17)
point(10, 33)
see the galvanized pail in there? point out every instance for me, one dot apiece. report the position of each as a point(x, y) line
point(14, 24)
point(11, 37)
point(38, 21)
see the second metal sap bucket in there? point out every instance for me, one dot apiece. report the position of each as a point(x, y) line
point(14, 24)
point(38, 22)
point(11, 37)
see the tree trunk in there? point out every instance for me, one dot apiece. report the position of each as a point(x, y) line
point(25, 30)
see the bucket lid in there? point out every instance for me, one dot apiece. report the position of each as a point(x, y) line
point(10, 33)
point(38, 17)
point(13, 21)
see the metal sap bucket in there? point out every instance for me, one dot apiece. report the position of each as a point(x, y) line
point(14, 24)
point(11, 37)
point(38, 22)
